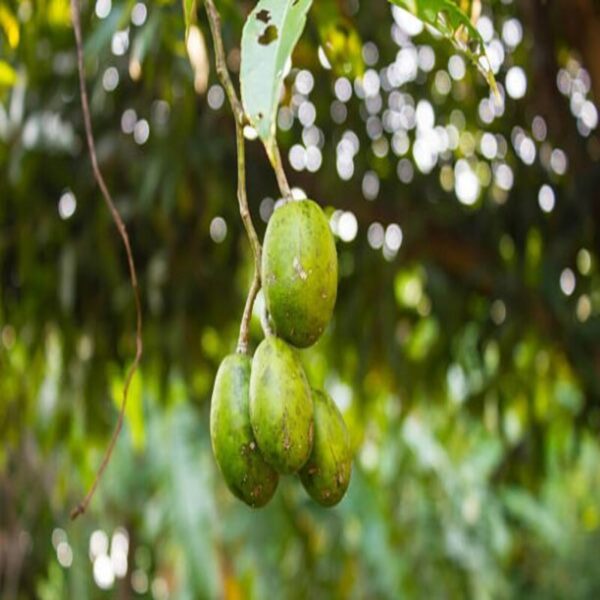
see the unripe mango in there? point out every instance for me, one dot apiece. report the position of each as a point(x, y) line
point(326, 475)
point(281, 409)
point(300, 272)
point(244, 469)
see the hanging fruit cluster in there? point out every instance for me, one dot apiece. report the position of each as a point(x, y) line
point(265, 418)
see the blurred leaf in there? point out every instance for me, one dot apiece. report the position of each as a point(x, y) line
point(198, 55)
point(134, 412)
point(190, 14)
point(534, 515)
point(408, 287)
point(9, 23)
point(340, 39)
point(423, 337)
point(190, 496)
point(100, 37)
point(143, 40)
point(8, 75)
point(59, 13)
point(270, 34)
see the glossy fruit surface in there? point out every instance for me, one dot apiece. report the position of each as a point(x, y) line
point(244, 469)
point(326, 475)
point(281, 408)
point(300, 272)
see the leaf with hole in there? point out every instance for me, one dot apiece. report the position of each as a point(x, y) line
point(270, 34)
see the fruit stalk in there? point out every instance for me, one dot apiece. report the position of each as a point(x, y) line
point(214, 21)
point(272, 150)
point(242, 346)
point(274, 155)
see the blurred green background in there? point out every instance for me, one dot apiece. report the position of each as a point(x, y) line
point(464, 350)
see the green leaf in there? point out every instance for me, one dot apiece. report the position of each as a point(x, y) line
point(190, 14)
point(268, 40)
point(451, 22)
point(340, 39)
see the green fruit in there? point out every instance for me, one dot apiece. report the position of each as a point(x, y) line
point(281, 409)
point(247, 474)
point(299, 269)
point(326, 475)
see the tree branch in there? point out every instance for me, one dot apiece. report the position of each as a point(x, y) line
point(76, 18)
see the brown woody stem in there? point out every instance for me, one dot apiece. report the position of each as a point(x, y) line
point(76, 18)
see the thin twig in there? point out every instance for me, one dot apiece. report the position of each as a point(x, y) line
point(214, 21)
point(76, 17)
point(242, 194)
point(244, 336)
point(274, 155)
point(242, 347)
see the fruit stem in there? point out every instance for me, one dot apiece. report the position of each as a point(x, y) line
point(264, 321)
point(242, 346)
point(243, 199)
point(274, 155)
point(214, 21)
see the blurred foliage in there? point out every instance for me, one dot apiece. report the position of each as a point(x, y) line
point(464, 349)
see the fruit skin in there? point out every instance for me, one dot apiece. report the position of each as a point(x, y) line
point(326, 475)
point(281, 408)
point(244, 469)
point(300, 272)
